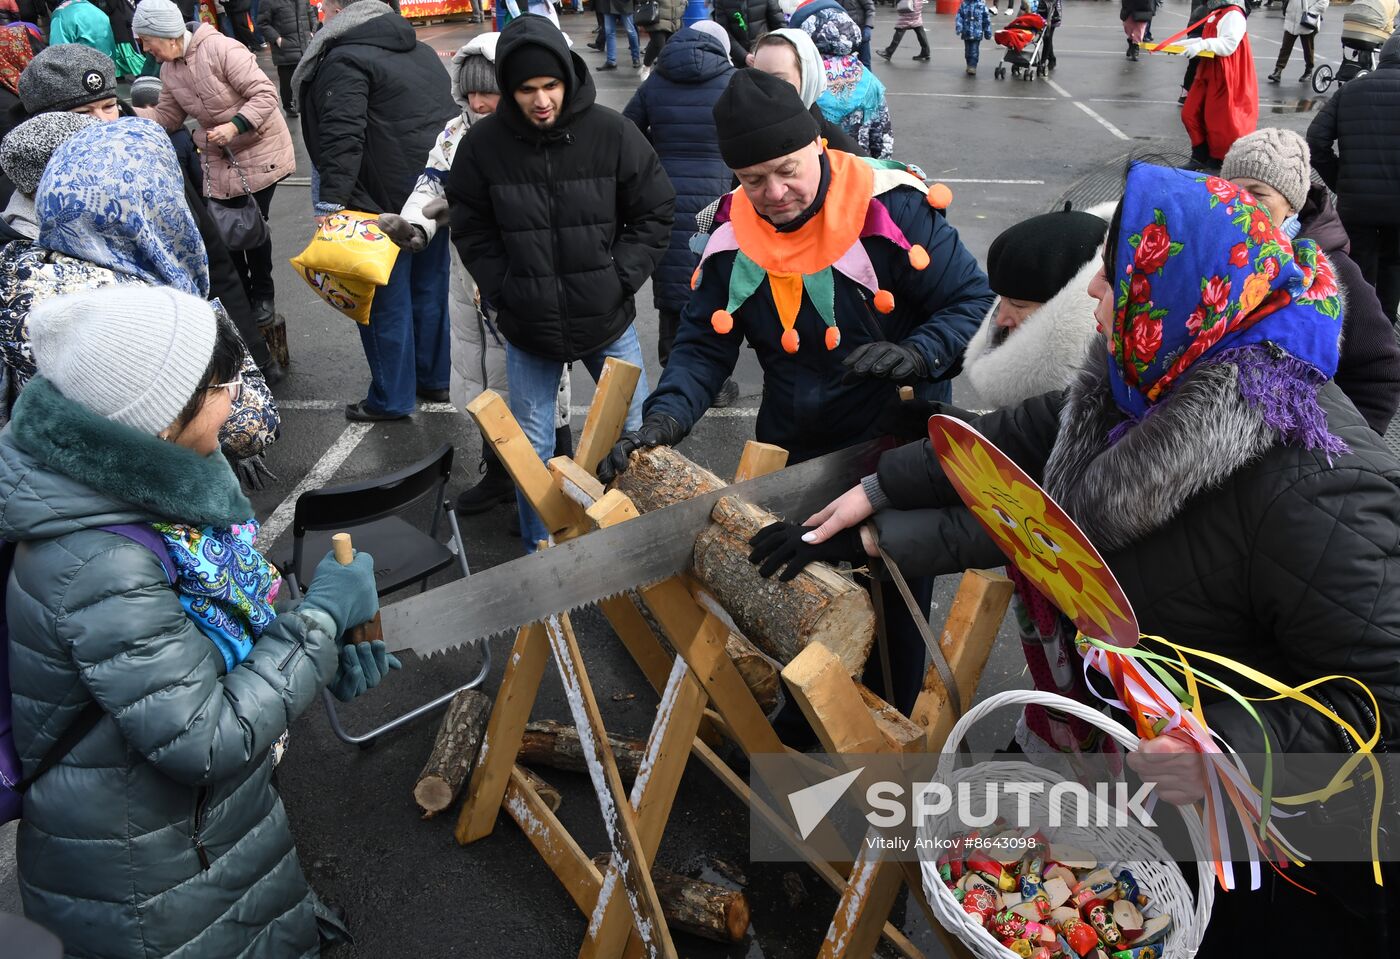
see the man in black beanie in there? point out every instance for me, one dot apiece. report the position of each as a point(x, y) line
point(560, 211)
point(847, 284)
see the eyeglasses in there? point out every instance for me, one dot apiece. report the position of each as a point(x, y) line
point(234, 387)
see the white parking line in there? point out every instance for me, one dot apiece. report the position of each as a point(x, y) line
point(315, 478)
point(1087, 109)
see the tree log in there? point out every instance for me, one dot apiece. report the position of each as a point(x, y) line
point(548, 794)
point(556, 745)
point(454, 752)
point(692, 905)
point(781, 619)
point(759, 672)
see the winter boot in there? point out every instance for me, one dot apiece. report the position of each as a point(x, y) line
point(1132, 51)
point(494, 488)
point(1307, 75)
point(1276, 76)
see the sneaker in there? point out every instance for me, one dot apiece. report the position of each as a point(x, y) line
point(607, 66)
point(728, 394)
point(921, 57)
point(971, 71)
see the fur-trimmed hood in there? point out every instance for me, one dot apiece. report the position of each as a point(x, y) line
point(1195, 439)
point(63, 468)
point(1039, 356)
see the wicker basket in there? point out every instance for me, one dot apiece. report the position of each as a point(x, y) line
point(1160, 878)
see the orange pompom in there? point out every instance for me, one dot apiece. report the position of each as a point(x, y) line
point(918, 257)
point(884, 301)
point(833, 337)
point(939, 196)
point(695, 279)
point(722, 321)
point(790, 341)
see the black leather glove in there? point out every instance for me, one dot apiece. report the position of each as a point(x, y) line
point(658, 429)
point(779, 544)
point(252, 471)
point(885, 361)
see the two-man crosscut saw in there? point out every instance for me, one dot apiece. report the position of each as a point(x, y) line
point(606, 562)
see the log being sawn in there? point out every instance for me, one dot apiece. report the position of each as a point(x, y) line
point(782, 619)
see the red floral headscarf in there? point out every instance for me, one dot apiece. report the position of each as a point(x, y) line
point(15, 54)
point(1199, 269)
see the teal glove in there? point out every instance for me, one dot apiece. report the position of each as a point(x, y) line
point(346, 594)
point(362, 667)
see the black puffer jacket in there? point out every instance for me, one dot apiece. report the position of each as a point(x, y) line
point(373, 102)
point(290, 21)
point(559, 227)
point(1362, 121)
point(861, 11)
point(1223, 538)
point(746, 21)
point(1369, 370)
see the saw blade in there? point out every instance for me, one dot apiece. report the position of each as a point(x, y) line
point(607, 562)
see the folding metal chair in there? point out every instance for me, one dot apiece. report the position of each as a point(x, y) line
point(371, 511)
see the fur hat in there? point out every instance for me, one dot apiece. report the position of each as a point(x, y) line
point(1274, 156)
point(65, 76)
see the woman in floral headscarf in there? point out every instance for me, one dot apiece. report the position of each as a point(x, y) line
point(854, 98)
point(1242, 503)
point(17, 48)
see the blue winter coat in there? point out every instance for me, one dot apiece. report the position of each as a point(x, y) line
point(806, 408)
point(674, 109)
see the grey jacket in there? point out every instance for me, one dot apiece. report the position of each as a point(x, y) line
point(160, 833)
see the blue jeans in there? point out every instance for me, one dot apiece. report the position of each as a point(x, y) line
point(609, 31)
point(863, 52)
point(534, 384)
point(406, 342)
point(972, 49)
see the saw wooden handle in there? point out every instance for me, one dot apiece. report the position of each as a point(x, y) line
point(344, 552)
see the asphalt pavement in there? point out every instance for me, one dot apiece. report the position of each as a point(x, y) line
point(1008, 150)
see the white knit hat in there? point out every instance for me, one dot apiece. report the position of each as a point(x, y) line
point(132, 354)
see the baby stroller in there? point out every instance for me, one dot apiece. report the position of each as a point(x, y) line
point(1365, 26)
point(1023, 38)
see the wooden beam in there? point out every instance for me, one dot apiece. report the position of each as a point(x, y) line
point(618, 818)
point(577, 484)
point(822, 687)
point(499, 428)
point(509, 714)
point(607, 413)
point(759, 459)
point(966, 640)
point(569, 863)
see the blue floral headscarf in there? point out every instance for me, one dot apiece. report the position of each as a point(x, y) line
point(113, 195)
point(1201, 274)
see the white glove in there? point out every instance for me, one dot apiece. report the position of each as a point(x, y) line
point(1191, 46)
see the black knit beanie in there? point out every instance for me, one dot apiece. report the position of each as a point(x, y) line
point(526, 61)
point(1036, 258)
point(760, 118)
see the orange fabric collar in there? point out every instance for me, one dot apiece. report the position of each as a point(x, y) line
point(822, 240)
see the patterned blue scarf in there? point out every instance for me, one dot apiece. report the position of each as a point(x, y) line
point(226, 586)
point(1201, 274)
point(113, 195)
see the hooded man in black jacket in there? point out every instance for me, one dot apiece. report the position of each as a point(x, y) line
point(1361, 122)
point(373, 100)
point(560, 211)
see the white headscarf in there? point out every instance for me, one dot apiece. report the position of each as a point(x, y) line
point(809, 64)
point(712, 29)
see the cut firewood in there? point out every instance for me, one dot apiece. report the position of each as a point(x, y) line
point(549, 795)
point(700, 908)
point(454, 752)
point(556, 745)
point(781, 619)
point(759, 672)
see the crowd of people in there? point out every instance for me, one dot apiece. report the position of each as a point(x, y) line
point(1200, 372)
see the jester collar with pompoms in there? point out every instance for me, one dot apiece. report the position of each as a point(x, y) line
point(803, 259)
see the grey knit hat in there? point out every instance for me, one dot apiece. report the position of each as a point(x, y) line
point(65, 76)
point(1274, 156)
point(133, 354)
point(26, 149)
point(477, 75)
point(158, 18)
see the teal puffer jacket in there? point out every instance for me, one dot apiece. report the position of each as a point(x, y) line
point(160, 834)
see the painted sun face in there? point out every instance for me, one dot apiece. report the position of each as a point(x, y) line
point(1038, 537)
